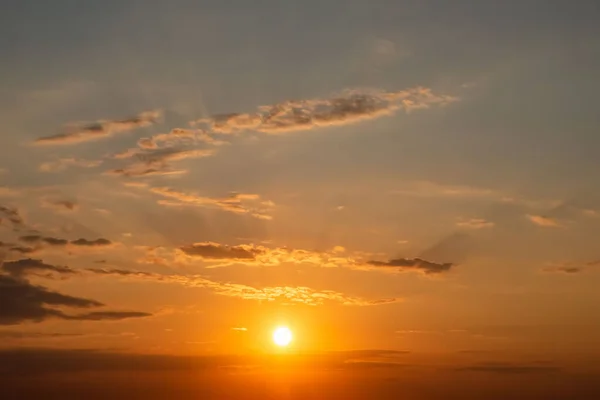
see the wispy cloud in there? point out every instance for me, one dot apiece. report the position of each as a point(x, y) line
point(543, 221)
point(63, 163)
point(351, 107)
point(239, 203)
point(156, 162)
point(100, 129)
point(13, 216)
point(475, 223)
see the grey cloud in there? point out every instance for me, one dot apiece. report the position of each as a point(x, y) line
point(100, 129)
point(218, 251)
point(52, 241)
point(91, 243)
point(415, 264)
point(351, 107)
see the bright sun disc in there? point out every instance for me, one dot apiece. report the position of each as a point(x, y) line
point(282, 336)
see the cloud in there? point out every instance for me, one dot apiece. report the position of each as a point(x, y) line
point(287, 295)
point(107, 315)
point(415, 264)
point(157, 162)
point(59, 242)
point(22, 301)
point(23, 267)
point(100, 129)
point(101, 242)
point(239, 203)
point(475, 223)
point(545, 222)
point(434, 189)
point(35, 335)
point(179, 137)
point(215, 251)
point(349, 108)
point(59, 205)
point(571, 268)
point(13, 216)
point(63, 163)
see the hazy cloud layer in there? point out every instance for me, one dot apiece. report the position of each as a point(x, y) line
point(281, 294)
point(100, 129)
point(349, 108)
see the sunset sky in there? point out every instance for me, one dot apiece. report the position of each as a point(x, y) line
point(401, 183)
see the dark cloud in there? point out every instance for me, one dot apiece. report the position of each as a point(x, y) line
point(216, 251)
point(100, 129)
point(91, 243)
point(26, 266)
point(416, 264)
point(53, 241)
point(22, 301)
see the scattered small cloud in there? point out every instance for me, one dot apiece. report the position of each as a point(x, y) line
point(475, 223)
point(100, 129)
point(240, 329)
point(545, 222)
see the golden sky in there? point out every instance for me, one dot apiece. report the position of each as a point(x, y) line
point(409, 187)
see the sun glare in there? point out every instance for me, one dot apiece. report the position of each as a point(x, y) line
point(282, 336)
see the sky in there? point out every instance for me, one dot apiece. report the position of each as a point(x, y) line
point(409, 186)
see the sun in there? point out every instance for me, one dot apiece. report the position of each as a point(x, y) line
point(282, 336)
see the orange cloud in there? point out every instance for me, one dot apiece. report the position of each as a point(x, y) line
point(543, 221)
